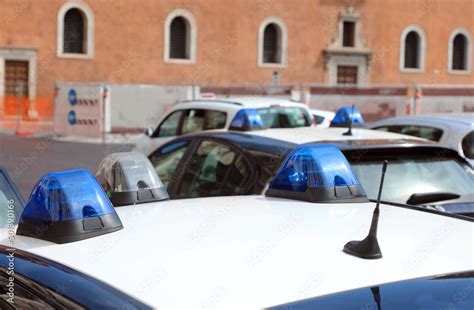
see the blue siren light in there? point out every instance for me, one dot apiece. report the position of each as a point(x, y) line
point(68, 206)
point(317, 173)
point(247, 120)
point(345, 114)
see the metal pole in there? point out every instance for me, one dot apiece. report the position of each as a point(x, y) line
point(302, 99)
point(414, 100)
point(416, 93)
point(19, 91)
point(104, 111)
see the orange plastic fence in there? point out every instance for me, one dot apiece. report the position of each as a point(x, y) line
point(39, 108)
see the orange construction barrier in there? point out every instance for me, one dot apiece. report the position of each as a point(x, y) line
point(39, 108)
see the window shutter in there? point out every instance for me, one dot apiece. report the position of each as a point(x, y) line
point(412, 50)
point(178, 39)
point(73, 37)
point(270, 44)
point(459, 53)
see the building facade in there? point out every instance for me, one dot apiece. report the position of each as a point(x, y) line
point(223, 42)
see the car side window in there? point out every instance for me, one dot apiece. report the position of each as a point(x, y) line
point(169, 127)
point(284, 117)
point(200, 119)
point(430, 133)
point(215, 169)
point(215, 120)
point(166, 160)
point(468, 145)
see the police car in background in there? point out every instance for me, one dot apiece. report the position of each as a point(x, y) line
point(237, 113)
point(233, 163)
point(313, 240)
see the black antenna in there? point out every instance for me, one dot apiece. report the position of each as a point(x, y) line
point(369, 247)
point(349, 132)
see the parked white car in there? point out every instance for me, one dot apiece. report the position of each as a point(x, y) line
point(237, 113)
point(302, 239)
point(322, 118)
point(455, 131)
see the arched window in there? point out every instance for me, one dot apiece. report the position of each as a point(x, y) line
point(75, 32)
point(412, 49)
point(179, 48)
point(180, 37)
point(73, 36)
point(272, 42)
point(460, 50)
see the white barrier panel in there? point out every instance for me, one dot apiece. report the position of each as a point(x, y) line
point(142, 105)
point(82, 109)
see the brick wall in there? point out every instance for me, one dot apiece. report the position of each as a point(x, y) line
point(129, 40)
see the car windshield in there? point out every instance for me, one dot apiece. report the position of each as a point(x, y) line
point(9, 202)
point(284, 117)
point(405, 177)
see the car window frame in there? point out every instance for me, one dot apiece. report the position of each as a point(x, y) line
point(173, 187)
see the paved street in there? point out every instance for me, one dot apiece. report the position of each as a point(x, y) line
point(27, 159)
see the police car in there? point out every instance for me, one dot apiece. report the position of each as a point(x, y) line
point(236, 113)
point(233, 163)
point(314, 233)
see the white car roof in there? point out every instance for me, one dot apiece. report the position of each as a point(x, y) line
point(452, 121)
point(466, 118)
point(237, 103)
point(311, 134)
point(251, 252)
